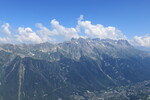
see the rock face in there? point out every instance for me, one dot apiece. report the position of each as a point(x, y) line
point(60, 71)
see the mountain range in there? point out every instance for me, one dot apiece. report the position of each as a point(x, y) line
point(68, 70)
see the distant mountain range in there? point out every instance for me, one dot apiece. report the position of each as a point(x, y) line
point(67, 70)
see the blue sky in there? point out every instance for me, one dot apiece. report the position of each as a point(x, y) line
point(131, 17)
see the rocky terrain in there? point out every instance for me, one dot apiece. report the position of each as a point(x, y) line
point(80, 69)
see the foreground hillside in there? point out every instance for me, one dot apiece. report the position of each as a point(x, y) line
point(73, 70)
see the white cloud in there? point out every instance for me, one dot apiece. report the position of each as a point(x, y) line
point(45, 33)
point(27, 35)
point(83, 29)
point(68, 33)
point(99, 31)
point(43, 30)
point(57, 30)
point(5, 40)
point(141, 40)
point(6, 28)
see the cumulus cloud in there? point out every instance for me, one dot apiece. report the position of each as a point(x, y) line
point(45, 33)
point(141, 40)
point(99, 31)
point(83, 29)
point(27, 35)
point(6, 28)
point(57, 30)
point(68, 33)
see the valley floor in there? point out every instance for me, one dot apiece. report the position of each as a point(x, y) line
point(138, 91)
